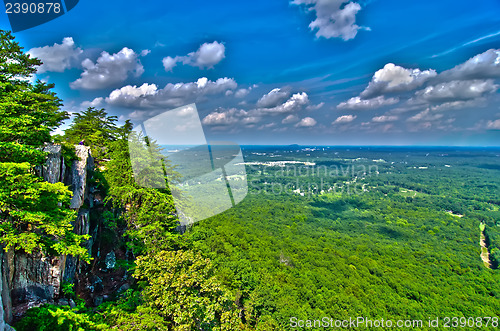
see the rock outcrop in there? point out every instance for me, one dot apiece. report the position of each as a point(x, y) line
point(27, 280)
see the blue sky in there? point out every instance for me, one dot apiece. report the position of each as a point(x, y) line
point(327, 72)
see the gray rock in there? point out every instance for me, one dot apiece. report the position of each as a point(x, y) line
point(52, 170)
point(98, 300)
point(72, 303)
point(124, 288)
point(63, 302)
point(79, 175)
point(110, 260)
point(97, 284)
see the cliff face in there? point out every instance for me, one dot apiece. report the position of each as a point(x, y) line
point(28, 280)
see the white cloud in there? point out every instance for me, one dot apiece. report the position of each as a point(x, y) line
point(306, 122)
point(58, 57)
point(222, 117)
point(290, 119)
point(294, 104)
point(426, 116)
point(385, 118)
point(94, 103)
point(344, 119)
point(172, 95)
point(315, 107)
point(482, 66)
point(206, 57)
point(145, 52)
point(493, 125)
point(273, 98)
point(456, 90)
point(169, 63)
point(356, 103)
point(334, 18)
point(393, 78)
point(108, 70)
point(131, 95)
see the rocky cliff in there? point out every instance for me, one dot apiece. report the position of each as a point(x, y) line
point(30, 280)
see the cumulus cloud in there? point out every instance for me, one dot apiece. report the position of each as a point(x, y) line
point(393, 78)
point(243, 92)
point(385, 118)
point(290, 119)
point(306, 122)
point(456, 90)
point(58, 57)
point(222, 117)
point(108, 70)
point(357, 103)
point(482, 66)
point(295, 103)
point(94, 103)
point(315, 107)
point(273, 98)
point(169, 63)
point(334, 18)
point(172, 95)
point(493, 125)
point(206, 57)
point(426, 116)
point(344, 119)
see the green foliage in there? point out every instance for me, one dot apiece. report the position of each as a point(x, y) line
point(28, 112)
point(150, 212)
point(54, 318)
point(94, 126)
point(68, 291)
point(35, 214)
point(182, 287)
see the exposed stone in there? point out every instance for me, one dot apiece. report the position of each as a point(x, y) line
point(53, 169)
point(79, 172)
point(98, 300)
point(110, 260)
point(96, 284)
point(29, 280)
point(124, 288)
point(36, 277)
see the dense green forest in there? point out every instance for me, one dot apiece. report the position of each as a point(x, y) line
point(336, 232)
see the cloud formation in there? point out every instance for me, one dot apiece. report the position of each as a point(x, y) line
point(108, 70)
point(482, 66)
point(206, 57)
point(356, 103)
point(344, 119)
point(334, 18)
point(273, 98)
point(172, 95)
point(456, 90)
point(58, 57)
point(393, 78)
point(306, 122)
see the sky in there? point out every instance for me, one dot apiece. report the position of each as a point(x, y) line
point(309, 72)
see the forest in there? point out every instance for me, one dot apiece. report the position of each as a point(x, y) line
point(328, 231)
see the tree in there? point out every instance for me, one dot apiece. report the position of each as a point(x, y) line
point(28, 112)
point(94, 126)
point(34, 215)
point(181, 285)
